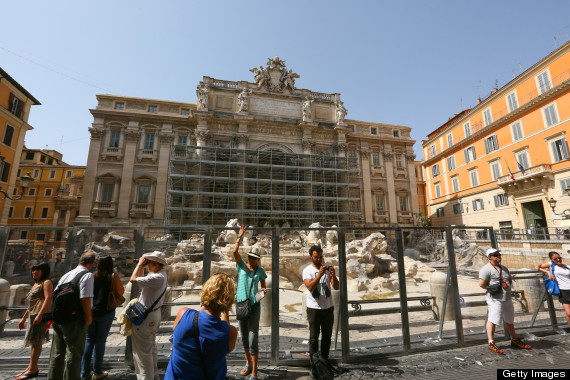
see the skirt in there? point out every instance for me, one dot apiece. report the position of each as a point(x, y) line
point(36, 335)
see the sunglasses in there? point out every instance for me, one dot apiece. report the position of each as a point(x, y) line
point(495, 255)
point(557, 258)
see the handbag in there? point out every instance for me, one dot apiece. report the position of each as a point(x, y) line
point(137, 312)
point(114, 300)
point(552, 285)
point(243, 308)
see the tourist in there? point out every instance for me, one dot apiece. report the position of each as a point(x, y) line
point(497, 281)
point(250, 273)
point(70, 337)
point(216, 336)
point(153, 287)
point(103, 317)
point(39, 306)
point(562, 276)
point(318, 279)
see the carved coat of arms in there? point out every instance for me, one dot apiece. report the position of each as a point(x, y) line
point(275, 77)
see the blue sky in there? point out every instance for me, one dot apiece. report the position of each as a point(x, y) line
point(413, 63)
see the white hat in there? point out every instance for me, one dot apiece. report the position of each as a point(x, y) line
point(490, 251)
point(255, 252)
point(155, 256)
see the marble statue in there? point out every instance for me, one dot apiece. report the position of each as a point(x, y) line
point(203, 93)
point(243, 100)
point(307, 112)
point(341, 112)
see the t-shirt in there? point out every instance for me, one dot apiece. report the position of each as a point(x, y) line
point(214, 340)
point(152, 285)
point(492, 275)
point(322, 302)
point(85, 284)
point(562, 274)
point(244, 281)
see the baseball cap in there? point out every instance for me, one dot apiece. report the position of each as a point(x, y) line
point(490, 251)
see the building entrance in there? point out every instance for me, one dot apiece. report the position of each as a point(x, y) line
point(534, 215)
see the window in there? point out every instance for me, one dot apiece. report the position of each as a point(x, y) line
point(45, 211)
point(24, 235)
point(376, 158)
point(149, 141)
point(182, 140)
point(32, 191)
point(491, 144)
point(501, 200)
point(435, 170)
point(29, 156)
point(27, 212)
point(474, 176)
point(487, 117)
point(543, 82)
point(550, 115)
point(379, 202)
point(42, 158)
point(36, 173)
point(48, 192)
point(469, 154)
point(373, 131)
point(52, 174)
point(4, 171)
point(512, 102)
point(16, 105)
point(455, 183)
point(153, 109)
point(399, 158)
point(449, 140)
point(523, 161)
point(114, 139)
point(438, 190)
point(119, 106)
point(403, 200)
point(559, 149)
point(517, 131)
point(68, 174)
point(352, 153)
point(451, 162)
point(396, 133)
point(432, 151)
point(495, 170)
point(19, 173)
point(107, 190)
point(185, 112)
point(478, 204)
point(143, 194)
point(66, 187)
point(458, 208)
point(564, 184)
point(467, 129)
point(8, 135)
point(439, 211)
point(41, 237)
point(11, 212)
point(50, 161)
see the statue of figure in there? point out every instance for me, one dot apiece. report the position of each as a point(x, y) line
point(330, 236)
point(260, 76)
point(289, 79)
point(307, 112)
point(341, 112)
point(203, 93)
point(243, 100)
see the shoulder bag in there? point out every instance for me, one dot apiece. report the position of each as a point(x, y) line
point(197, 342)
point(115, 299)
point(243, 308)
point(137, 312)
point(497, 289)
point(552, 285)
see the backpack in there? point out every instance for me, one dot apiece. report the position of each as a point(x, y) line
point(321, 368)
point(66, 305)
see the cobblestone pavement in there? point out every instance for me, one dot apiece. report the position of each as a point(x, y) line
point(471, 362)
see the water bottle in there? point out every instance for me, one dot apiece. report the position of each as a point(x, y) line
point(259, 295)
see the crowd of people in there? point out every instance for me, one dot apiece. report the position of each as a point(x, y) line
point(78, 345)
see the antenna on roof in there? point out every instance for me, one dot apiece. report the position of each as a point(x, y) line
point(479, 87)
point(461, 103)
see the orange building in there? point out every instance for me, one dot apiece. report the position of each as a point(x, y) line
point(51, 200)
point(501, 162)
point(15, 106)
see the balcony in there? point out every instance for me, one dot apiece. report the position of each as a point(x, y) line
point(112, 153)
point(532, 173)
point(104, 209)
point(147, 155)
point(144, 210)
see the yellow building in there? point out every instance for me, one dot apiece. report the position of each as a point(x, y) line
point(52, 199)
point(15, 105)
point(499, 163)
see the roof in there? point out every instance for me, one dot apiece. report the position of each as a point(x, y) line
point(4, 74)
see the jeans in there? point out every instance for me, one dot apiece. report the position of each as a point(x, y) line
point(320, 321)
point(97, 334)
point(66, 349)
point(249, 329)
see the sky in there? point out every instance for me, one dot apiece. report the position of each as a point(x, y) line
point(412, 63)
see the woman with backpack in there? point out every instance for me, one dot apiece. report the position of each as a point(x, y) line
point(39, 307)
point(104, 282)
point(561, 273)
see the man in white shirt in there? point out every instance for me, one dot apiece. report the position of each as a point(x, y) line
point(318, 279)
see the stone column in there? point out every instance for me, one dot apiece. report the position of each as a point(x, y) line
point(90, 176)
point(165, 143)
point(132, 135)
point(415, 205)
point(392, 202)
point(367, 205)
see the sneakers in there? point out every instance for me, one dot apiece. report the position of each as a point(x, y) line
point(493, 347)
point(518, 343)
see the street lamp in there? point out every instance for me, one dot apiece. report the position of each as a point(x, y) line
point(552, 203)
point(24, 184)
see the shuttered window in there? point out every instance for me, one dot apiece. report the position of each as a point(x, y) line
point(559, 150)
point(491, 144)
point(512, 101)
point(543, 82)
point(550, 115)
point(516, 128)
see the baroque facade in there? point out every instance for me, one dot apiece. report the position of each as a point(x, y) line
point(264, 152)
point(501, 162)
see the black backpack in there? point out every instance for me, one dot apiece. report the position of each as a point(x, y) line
point(321, 368)
point(66, 305)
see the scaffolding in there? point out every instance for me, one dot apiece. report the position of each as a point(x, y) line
point(210, 185)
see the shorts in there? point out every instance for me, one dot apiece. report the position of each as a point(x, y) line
point(500, 311)
point(564, 296)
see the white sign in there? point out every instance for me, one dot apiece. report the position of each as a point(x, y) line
point(274, 107)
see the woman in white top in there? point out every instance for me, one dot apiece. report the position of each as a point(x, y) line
point(562, 276)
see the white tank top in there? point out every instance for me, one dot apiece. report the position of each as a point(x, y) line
point(562, 275)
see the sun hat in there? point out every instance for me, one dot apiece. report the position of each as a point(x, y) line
point(157, 256)
point(490, 251)
point(255, 252)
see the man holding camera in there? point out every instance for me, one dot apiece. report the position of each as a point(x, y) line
point(497, 281)
point(318, 279)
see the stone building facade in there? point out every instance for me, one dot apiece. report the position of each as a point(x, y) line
point(264, 152)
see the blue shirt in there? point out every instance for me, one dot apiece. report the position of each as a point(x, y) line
point(214, 339)
point(244, 281)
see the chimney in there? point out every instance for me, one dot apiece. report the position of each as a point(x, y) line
point(478, 101)
point(495, 90)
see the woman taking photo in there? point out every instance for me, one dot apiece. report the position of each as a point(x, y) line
point(104, 281)
point(39, 304)
point(562, 276)
point(216, 336)
point(249, 275)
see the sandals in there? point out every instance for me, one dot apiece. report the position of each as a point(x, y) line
point(518, 343)
point(246, 370)
point(253, 377)
point(28, 375)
